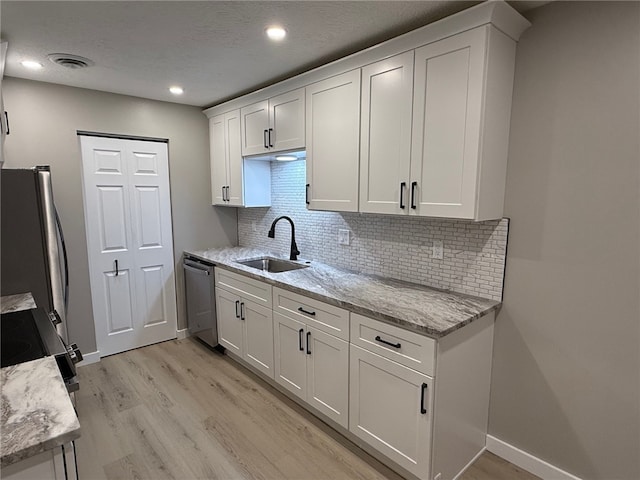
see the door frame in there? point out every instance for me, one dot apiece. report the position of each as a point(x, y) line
point(85, 133)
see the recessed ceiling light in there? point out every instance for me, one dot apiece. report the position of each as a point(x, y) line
point(176, 90)
point(276, 33)
point(286, 158)
point(32, 65)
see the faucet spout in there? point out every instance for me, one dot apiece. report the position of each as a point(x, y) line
point(293, 255)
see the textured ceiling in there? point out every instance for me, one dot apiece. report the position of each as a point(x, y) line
point(216, 50)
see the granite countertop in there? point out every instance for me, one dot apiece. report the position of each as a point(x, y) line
point(425, 310)
point(36, 413)
point(16, 303)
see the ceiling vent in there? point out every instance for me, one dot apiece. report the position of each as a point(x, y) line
point(70, 61)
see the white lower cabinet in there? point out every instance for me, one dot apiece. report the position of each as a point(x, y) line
point(245, 328)
point(391, 409)
point(59, 463)
point(313, 365)
point(421, 403)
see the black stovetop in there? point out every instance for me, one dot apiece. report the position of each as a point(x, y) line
point(20, 338)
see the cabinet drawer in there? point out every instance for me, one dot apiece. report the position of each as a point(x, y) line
point(250, 289)
point(324, 317)
point(407, 348)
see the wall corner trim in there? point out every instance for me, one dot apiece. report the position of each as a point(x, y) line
point(89, 358)
point(526, 461)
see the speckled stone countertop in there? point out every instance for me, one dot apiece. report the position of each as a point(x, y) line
point(16, 303)
point(36, 411)
point(37, 414)
point(428, 311)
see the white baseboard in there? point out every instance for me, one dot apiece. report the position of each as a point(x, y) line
point(89, 358)
point(182, 333)
point(526, 461)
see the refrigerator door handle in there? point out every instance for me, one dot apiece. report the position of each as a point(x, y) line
point(65, 260)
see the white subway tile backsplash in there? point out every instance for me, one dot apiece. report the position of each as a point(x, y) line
point(388, 245)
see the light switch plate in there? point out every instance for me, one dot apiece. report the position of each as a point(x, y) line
point(344, 237)
point(437, 250)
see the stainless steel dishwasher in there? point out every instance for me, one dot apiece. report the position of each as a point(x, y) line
point(200, 299)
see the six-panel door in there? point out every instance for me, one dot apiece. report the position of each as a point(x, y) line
point(129, 241)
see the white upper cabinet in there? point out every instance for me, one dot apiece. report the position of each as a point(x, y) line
point(417, 125)
point(462, 107)
point(385, 134)
point(219, 160)
point(273, 125)
point(255, 128)
point(333, 132)
point(234, 181)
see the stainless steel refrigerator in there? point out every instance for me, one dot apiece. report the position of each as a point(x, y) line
point(34, 257)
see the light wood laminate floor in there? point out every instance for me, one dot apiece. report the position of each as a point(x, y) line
point(179, 410)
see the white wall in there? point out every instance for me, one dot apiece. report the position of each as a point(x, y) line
point(566, 369)
point(44, 120)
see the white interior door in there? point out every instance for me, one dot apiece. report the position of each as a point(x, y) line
point(130, 242)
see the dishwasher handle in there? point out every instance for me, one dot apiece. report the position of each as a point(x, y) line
point(196, 270)
point(197, 267)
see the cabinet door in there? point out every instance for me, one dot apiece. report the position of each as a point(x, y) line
point(328, 375)
point(449, 77)
point(385, 138)
point(290, 362)
point(218, 158)
point(255, 128)
point(332, 137)
point(286, 118)
point(56, 464)
point(230, 326)
point(235, 183)
point(258, 336)
point(386, 401)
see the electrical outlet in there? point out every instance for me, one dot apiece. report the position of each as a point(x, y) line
point(344, 237)
point(437, 250)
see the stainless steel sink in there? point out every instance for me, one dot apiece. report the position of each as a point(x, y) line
point(271, 264)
